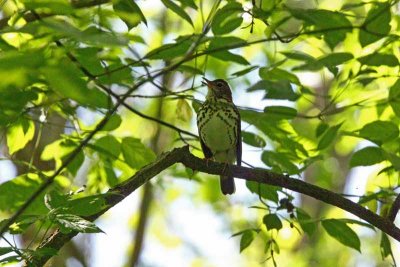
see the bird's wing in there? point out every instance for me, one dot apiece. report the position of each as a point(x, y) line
point(206, 151)
point(239, 141)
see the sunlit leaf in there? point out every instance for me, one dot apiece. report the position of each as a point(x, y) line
point(19, 134)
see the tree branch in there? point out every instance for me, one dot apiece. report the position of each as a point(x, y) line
point(183, 155)
point(394, 209)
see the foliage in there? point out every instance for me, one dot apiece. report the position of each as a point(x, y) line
point(316, 84)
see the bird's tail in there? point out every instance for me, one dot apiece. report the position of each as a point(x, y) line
point(227, 185)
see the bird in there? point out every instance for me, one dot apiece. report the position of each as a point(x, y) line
point(218, 123)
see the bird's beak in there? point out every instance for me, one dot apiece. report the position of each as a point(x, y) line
point(206, 82)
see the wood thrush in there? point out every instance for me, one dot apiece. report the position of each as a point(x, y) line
point(218, 122)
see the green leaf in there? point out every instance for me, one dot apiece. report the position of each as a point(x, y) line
point(321, 128)
point(68, 148)
point(70, 222)
point(332, 25)
point(129, 12)
point(183, 110)
point(227, 19)
point(265, 191)
point(342, 233)
point(280, 112)
point(380, 131)
point(66, 81)
point(308, 225)
point(22, 223)
point(246, 239)
point(92, 35)
point(11, 259)
point(116, 73)
point(177, 10)
point(386, 249)
point(279, 162)
point(253, 139)
point(5, 250)
point(135, 153)
point(113, 123)
point(367, 156)
point(300, 56)
point(379, 59)
point(352, 221)
point(19, 134)
point(88, 57)
point(189, 3)
point(335, 59)
point(275, 90)
point(44, 251)
point(55, 199)
point(244, 71)
point(394, 97)
point(217, 49)
point(328, 137)
point(376, 25)
point(170, 51)
point(277, 74)
point(272, 221)
point(86, 206)
point(108, 147)
point(55, 6)
point(189, 69)
point(15, 192)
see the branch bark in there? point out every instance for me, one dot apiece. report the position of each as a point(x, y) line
point(394, 209)
point(183, 155)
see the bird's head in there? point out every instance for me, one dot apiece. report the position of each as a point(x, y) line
point(218, 89)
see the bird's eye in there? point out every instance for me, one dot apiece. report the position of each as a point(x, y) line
point(219, 84)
